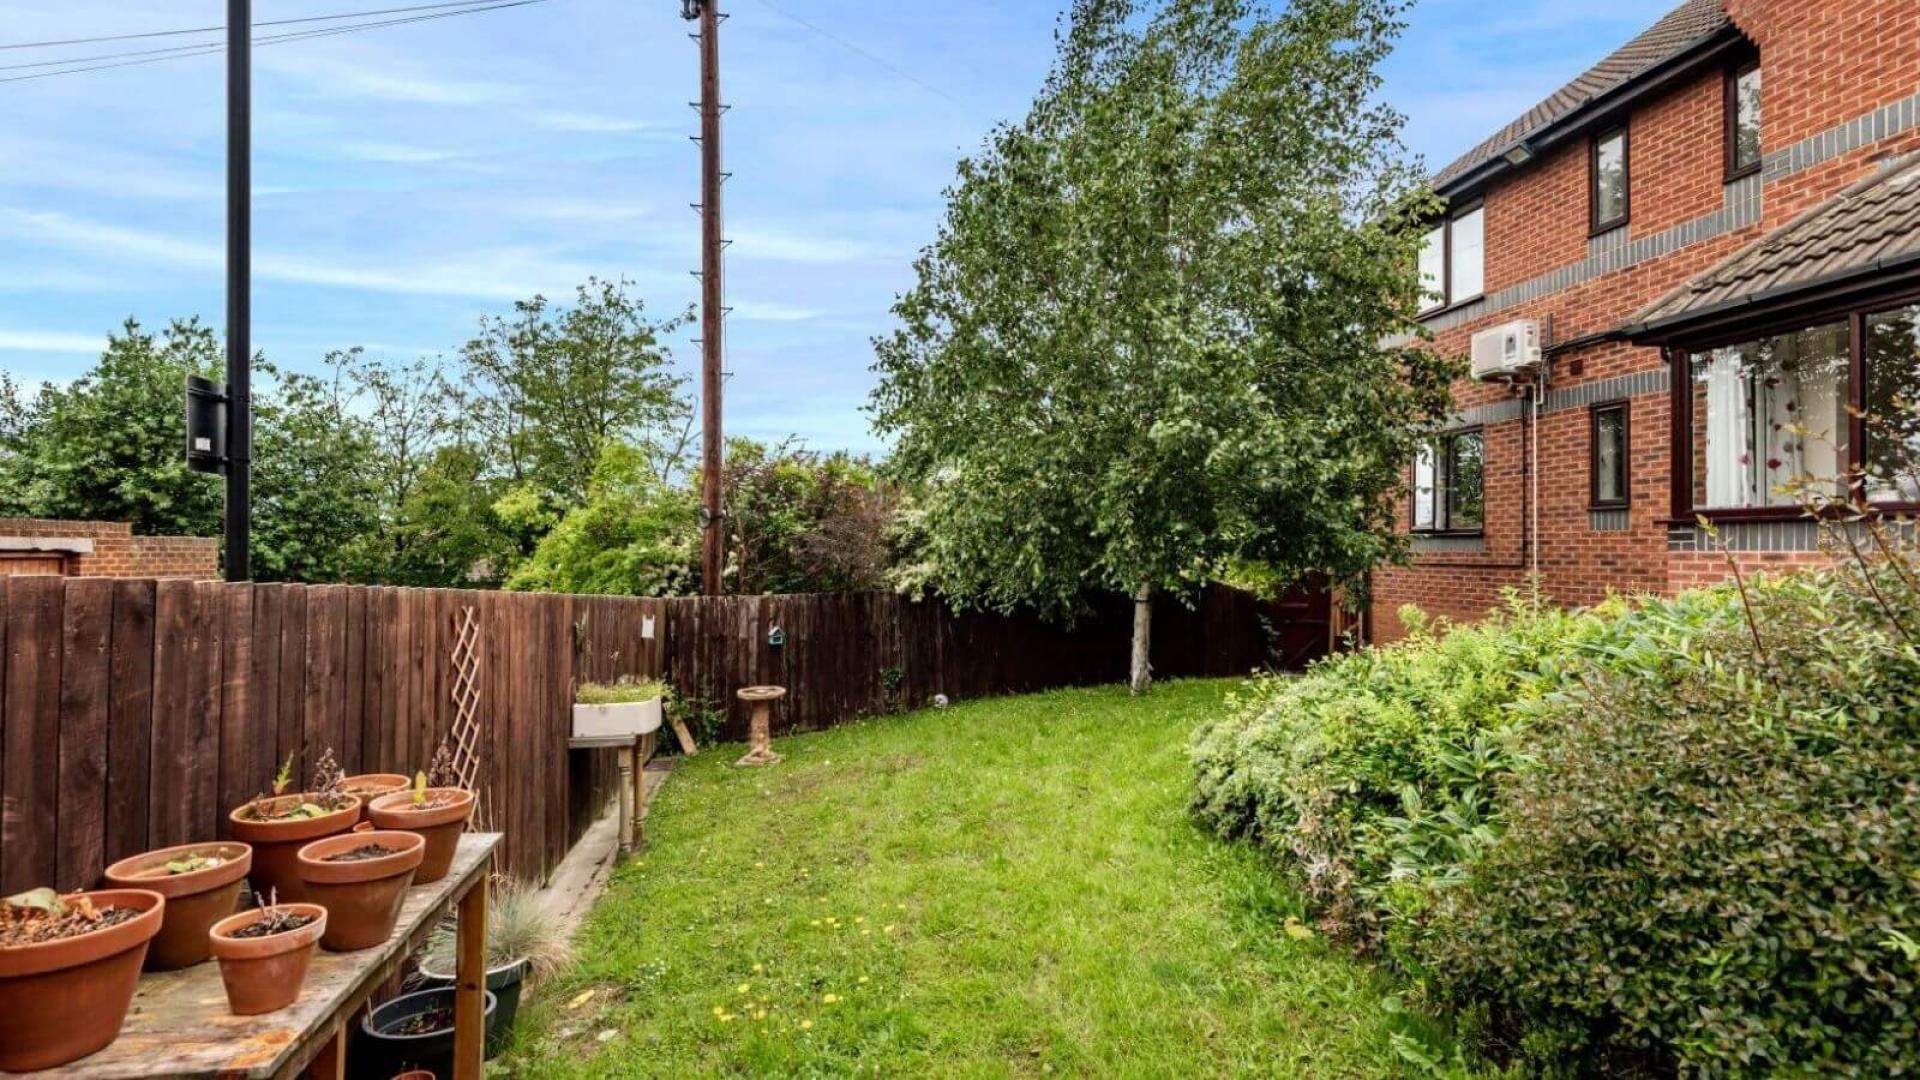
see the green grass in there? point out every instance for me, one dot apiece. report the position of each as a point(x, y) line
point(1004, 888)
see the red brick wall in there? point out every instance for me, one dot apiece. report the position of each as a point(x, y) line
point(119, 553)
point(1824, 63)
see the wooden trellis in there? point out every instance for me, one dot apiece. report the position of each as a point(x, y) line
point(467, 736)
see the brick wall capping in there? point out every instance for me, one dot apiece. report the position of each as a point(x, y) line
point(53, 545)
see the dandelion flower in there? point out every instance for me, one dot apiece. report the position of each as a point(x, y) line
point(758, 968)
point(719, 1010)
point(888, 929)
point(745, 987)
point(830, 999)
point(859, 918)
point(806, 1025)
point(863, 978)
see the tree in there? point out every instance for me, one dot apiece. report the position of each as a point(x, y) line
point(799, 521)
point(552, 389)
point(634, 536)
point(1148, 338)
point(111, 446)
point(313, 489)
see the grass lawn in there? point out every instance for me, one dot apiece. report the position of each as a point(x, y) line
point(1002, 888)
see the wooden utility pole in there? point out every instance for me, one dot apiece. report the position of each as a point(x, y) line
point(713, 526)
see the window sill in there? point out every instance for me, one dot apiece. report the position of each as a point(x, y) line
point(1448, 309)
point(1608, 507)
point(1448, 534)
point(1599, 231)
point(1739, 174)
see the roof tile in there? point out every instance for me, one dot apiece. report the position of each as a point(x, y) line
point(1680, 28)
point(1872, 222)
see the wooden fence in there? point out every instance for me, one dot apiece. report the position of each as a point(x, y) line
point(135, 714)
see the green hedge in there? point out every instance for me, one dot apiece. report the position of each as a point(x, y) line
point(1621, 840)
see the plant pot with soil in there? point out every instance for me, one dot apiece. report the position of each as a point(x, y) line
point(361, 879)
point(264, 954)
point(68, 968)
point(525, 945)
point(202, 885)
point(438, 814)
point(280, 824)
point(369, 786)
point(413, 1031)
point(624, 710)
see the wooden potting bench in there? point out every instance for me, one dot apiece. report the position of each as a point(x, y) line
point(179, 1025)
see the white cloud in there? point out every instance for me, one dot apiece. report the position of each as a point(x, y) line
point(393, 153)
point(594, 123)
point(358, 80)
point(493, 274)
point(772, 311)
point(50, 341)
point(781, 246)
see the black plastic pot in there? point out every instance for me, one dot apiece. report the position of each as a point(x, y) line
point(504, 982)
point(390, 1054)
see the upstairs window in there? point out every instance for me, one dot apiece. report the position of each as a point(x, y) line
point(1453, 260)
point(1609, 183)
point(1743, 120)
point(1449, 484)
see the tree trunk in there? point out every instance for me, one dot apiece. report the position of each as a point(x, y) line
point(1141, 672)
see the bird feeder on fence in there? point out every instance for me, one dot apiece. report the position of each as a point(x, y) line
point(762, 699)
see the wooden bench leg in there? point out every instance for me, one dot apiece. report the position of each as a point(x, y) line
point(470, 982)
point(331, 1062)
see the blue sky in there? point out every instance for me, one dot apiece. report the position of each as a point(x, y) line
point(412, 179)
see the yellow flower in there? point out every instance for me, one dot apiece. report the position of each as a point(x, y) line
point(805, 1025)
point(815, 922)
point(744, 987)
point(888, 929)
point(859, 918)
point(830, 999)
point(1296, 930)
point(719, 1011)
point(863, 978)
point(758, 968)
point(866, 932)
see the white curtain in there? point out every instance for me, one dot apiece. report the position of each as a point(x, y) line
point(1729, 453)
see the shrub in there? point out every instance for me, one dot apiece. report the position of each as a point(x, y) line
point(1714, 854)
point(1373, 770)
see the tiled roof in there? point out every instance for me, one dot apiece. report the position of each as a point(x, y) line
point(1679, 29)
point(1866, 227)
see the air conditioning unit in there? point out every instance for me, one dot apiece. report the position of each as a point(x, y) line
point(1507, 350)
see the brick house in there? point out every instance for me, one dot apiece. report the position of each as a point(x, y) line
point(102, 549)
point(1718, 224)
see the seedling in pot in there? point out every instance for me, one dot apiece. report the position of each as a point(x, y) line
point(273, 919)
point(328, 795)
point(42, 915)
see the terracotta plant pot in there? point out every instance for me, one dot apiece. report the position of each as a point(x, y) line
point(195, 900)
point(277, 844)
point(62, 1000)
point(362, 896)
point(440, 825)
point(369, 786)
point(265, 974)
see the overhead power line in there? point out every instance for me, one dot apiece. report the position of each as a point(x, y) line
point(257, 25)
point(858, 51)
point(181, 52)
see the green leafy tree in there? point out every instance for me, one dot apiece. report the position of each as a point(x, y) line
point(634, 536)
point(111, 445)
point(313, 492)
point(1148, 338)
point(551, 389)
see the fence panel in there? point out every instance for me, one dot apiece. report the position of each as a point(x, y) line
point(136, 714)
